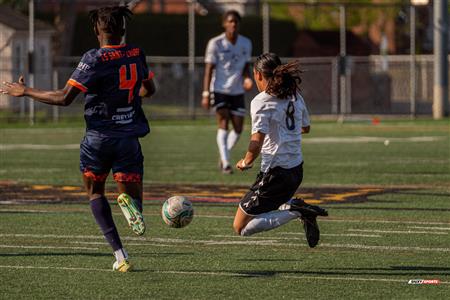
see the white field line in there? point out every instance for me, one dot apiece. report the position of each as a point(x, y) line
point(432, 228)
point(56, 236)
point(369, 139)
point(301, 234)
point(384, 222)
point(398, 231)
point(39, 147)
point(189, 243)
point(268, 242)
point(232, 217)
point(336, 234)
point(319, 140)
point(244, 241)
point(45, 247)
point(390, 248)
point(128, 244)
point(225, 274)
point(54, 268)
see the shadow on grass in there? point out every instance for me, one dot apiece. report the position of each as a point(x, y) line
point(350, 272)
point(49, 254)
point(412, 271)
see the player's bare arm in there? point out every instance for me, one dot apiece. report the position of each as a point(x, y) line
point(61, 97)
point(206, 83)
point(253, 151)
point(248, 82)
point(306, 129)
point(148, 88)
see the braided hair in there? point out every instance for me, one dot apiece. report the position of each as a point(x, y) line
point(283, 80)
point(110, 19)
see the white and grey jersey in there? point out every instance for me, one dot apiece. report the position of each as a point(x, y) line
point(229, 61)
point(281, 120)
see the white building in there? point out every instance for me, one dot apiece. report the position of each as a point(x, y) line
point(14, 51)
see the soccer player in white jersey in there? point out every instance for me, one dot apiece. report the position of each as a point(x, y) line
point(279, 118)
point(227, 77)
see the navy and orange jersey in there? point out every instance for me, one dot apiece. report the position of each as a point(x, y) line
point(111, 78)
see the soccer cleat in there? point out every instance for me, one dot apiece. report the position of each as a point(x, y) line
point(124, 266)
point(132, 214)
point(312, 231)
point(308, 217)
point(307, 210)
point(227, 170)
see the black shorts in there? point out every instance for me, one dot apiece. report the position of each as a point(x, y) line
point(236, 104)
point(272, 189)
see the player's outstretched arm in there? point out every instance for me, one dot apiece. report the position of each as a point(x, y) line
point(62, 97)
point(254, 149)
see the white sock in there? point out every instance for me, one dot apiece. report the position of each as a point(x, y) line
point(286, 205)
point(268, 221)
point(222, 136)
point(232, 139)
point(121, 254)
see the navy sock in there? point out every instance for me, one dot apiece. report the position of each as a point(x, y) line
point(102, 214)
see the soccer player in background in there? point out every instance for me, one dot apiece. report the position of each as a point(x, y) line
point(113, 79)
point(279, 118)
point(227, 77)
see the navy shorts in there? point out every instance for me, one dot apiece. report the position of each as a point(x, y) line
point(236, 104)
point(99, 155)
point(272, 189)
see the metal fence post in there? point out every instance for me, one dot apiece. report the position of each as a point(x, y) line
point(334, 86)
point(191, 67)
point(412, 66)
point(440, 97)
point(343, 62)
point(266, 27)
point(31, 61)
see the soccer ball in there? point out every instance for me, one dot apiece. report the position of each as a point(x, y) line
point(177, 212)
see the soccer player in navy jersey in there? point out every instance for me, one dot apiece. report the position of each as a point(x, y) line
point(113, 79)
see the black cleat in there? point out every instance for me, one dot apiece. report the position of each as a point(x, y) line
point(308, 217)
point(307, 210)
point(312, 231)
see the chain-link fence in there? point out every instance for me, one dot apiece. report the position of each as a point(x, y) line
point(346, 80)
point(375, 84)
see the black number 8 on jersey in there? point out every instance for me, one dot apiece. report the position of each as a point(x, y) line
point(290, 121)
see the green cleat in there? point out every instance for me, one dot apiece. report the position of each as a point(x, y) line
point(132, 214)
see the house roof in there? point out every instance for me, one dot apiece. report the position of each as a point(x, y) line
point(15, 20)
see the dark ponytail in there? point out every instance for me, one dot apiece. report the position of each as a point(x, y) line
point(111, 19)
point(283, 81)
